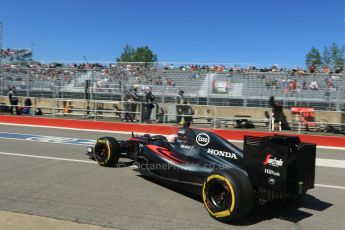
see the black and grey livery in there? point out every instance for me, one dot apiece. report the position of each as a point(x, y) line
point(228, 179)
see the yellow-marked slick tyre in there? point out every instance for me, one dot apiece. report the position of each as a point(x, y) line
point(227, 195)
point(106, 151)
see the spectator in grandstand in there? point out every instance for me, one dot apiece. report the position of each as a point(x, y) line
point(170, 82)
point(292, 87)
point(334, 76)
point(304, 84)
point(314, 85)
point(195, 75)
point(327, 94)
point(312, 69)
point(268, 82)
point(182, 68)
point(329, 85)
point(326, 69)
point(328, 81)
point(180, 105)
point(12, 97)
point(159, 81)
point(339, 70)
point(149, 97)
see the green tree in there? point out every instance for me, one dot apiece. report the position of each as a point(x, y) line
point(141, 54)
point(127, 54)
point(144, 54)
point(333, 56)
point(313, 57)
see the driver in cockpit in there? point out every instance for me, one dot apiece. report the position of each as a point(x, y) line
point(183, 143)
point(180, 136)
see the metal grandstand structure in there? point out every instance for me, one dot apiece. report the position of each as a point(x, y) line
point(225, 86)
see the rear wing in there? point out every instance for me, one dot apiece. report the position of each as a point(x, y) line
point(282, 165)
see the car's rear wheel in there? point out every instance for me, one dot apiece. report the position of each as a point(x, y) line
point(106, 151)
point(227, 195)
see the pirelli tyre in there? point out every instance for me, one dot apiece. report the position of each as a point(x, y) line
point(227, 195)
point(106, 151)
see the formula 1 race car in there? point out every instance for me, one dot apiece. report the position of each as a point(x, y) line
point(228, 179)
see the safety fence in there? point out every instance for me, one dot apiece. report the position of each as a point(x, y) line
point(300, 121)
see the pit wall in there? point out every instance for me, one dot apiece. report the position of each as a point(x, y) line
point(200, 110)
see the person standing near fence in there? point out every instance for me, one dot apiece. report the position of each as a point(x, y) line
point(180, 103)
point(13, 100)
point(128, 106)
point(149, 97)
point(135, 100)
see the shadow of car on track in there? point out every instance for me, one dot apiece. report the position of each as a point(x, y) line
point(288, 210)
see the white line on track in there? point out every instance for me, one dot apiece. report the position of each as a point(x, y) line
point(330, 163)
point(48, 158)
point(123, 132)
point(329, 186)
point(65, 143)
point(58, 127)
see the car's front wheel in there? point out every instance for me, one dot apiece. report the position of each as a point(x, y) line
point(106, 151)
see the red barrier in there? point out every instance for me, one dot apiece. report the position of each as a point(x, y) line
point(335, 141)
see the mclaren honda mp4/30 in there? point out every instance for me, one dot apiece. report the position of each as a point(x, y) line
point(228, 179)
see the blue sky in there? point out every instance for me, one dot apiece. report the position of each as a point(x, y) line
point(193, 31)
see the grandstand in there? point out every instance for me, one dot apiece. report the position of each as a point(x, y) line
point(204, 85)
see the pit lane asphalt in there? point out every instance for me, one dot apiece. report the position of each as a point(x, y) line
point(121, 198)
